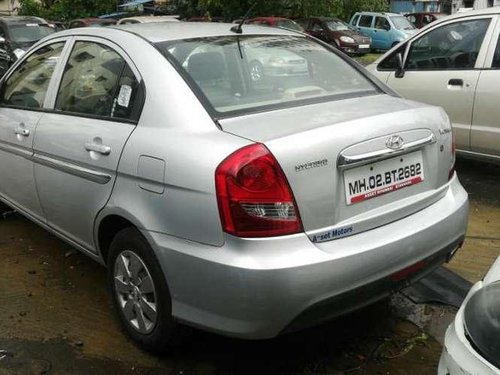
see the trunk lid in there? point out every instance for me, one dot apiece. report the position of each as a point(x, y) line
point(329, 152)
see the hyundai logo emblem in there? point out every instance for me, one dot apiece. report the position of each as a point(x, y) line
point(394, 142)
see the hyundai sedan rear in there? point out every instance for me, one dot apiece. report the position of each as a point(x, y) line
point(245, 207)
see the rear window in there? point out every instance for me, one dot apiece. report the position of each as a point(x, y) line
point(244, 73)
point(289, 24)
point(30, 32)
point(401, 23)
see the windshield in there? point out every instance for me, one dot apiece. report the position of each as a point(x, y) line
point(289, 24)
point(264, 71)
point(31, 32)
point(402, 23)
point(337, 25)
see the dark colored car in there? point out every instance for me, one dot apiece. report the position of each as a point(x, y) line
point(282, 22)
point(337, 33)
point(86, 22)
point(57, 25)
point(17, 35)
point(423, 19)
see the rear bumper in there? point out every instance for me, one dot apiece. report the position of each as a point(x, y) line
point(258, 288)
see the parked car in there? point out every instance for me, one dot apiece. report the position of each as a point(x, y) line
point(245, 208)
point(17, 35)
point(454, 63)
point(337, 33)
point(57, 25)
point(385, 29)
point(86, 22)
point(284, 23)
point(147, 19)
point(471, 343)
point(422, 19)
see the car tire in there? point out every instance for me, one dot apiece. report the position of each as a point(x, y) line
point(256, 71)
point(140, 293)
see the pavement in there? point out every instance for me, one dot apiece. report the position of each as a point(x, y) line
point(56, 315)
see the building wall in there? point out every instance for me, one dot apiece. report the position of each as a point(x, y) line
point(8, 5)
point(412, 6)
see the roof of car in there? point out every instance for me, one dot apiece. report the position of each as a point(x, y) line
point(379, 13)
point(165, 31)
point(146, 19)
point(22, 19)
point(270, 18)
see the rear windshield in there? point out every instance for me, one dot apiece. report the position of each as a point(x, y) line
point(337, 25)
point(31, 32)
point(245, 73)
point(289, 24)
point(402, 23)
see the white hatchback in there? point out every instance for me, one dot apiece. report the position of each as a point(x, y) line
point(454, 63)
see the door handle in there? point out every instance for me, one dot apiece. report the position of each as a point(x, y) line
point(22, 131)
point(101, 149)
point(456, 82)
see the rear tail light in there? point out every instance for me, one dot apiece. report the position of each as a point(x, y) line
point(254, 197)
point(453, 156)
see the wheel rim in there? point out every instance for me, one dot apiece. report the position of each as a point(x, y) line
point(256, 72)
point(135, 292)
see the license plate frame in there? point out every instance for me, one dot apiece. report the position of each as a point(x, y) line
point(383, 177)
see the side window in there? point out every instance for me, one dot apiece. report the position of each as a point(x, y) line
point(412, 18)
point(317, 27)
point(452, 46)
point(427, 19)
point(355, 20)
point(98, 82)
point(391, 61)
point(381, 23)
point(365, 21)
point(27, 85)
point(496, 57)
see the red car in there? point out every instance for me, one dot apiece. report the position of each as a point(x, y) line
point(337, 33)
point(85, 22)
point(423, 19)
point(282, 22)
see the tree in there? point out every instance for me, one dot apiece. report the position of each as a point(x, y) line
point(65, 10)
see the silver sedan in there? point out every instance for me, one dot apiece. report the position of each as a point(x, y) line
point(248, 208)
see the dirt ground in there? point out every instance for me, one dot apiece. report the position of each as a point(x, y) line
point(56, 315)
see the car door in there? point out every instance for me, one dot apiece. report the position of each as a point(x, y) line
point(365, 26)
point(485, 131)
point(22, 101)
point(381, 33)
point(441, 68)
point(77, 147)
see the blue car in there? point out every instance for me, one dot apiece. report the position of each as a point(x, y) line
point(385, 29)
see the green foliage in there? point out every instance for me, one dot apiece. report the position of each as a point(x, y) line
point(292, 8)
point(65, 10)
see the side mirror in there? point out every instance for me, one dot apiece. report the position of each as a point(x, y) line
point(387, 27)
point(400, 71)
point(2, 40)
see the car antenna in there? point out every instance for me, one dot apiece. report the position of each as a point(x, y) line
point(238, 29)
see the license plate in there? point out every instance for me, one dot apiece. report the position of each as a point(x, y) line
point(373, 180)
point(364, 46)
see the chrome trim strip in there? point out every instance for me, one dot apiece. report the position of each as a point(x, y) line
point(75, 170)
point(345, 162)
point(16, 150)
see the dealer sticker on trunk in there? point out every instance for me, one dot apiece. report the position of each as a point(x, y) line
point(373, 180)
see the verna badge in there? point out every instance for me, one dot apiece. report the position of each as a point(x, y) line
point(394, 142)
